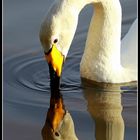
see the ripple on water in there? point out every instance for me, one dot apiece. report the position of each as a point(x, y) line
point(29, 75)
point(27, 71)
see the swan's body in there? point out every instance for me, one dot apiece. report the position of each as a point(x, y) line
point(101, 60)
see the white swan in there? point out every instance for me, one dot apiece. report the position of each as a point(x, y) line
point(102, 56)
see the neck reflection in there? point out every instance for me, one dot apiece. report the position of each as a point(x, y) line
point(104, 106)
point(59, 124)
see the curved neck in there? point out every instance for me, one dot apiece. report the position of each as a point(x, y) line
point(105, 29)
point(104, 33)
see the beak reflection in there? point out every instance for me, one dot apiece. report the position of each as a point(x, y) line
point(59, 123)
point(56, 111)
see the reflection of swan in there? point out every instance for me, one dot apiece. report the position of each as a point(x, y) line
point(101, 59)
point(59, 124)
point(104, 106)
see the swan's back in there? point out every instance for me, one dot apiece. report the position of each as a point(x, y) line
point(130, 47)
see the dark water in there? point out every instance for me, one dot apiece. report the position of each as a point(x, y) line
point(26, 91)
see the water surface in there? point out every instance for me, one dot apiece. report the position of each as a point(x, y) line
point(26, 91)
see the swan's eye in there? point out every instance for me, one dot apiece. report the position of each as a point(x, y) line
point(55, 41)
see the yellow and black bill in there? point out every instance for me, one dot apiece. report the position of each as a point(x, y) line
point(55, 61)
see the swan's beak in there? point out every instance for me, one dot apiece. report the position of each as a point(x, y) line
point(55, 60)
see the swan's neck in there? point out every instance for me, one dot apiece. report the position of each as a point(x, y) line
point(104, 34)
point(102, 50)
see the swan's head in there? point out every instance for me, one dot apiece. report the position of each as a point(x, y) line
point(56, 34)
